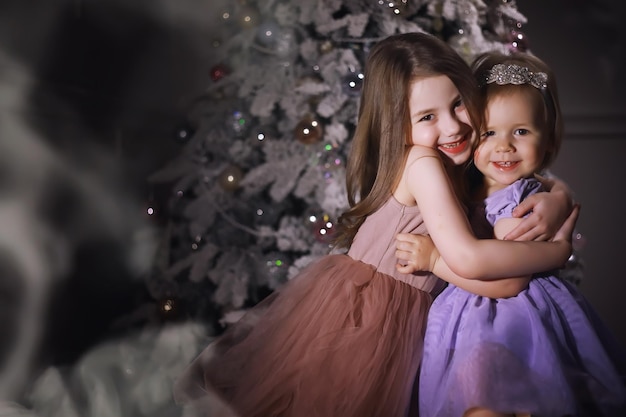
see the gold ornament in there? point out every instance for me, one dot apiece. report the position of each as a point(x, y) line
point(169, 308)
point(248, 17)
point(308, 130)
point(326, 46)
point(230, 178)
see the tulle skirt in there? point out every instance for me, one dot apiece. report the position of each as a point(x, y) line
point(544, 352)
point(338, 340)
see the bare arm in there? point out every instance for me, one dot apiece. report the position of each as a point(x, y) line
point(548, 211)
point(418, 252)
point(449, 228)
point(415, 252)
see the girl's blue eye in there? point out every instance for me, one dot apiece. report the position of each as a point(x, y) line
point(487, 134)
point(521, 132)
point(459, 103)
point(427, 118)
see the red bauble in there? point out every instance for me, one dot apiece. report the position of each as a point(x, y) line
point(219, 71)
point(322, 227)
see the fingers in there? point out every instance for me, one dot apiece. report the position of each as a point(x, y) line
point(537, 233)
point(409, 237)
point(573, 217)
point(523, 231)
point(403, 255)
point(570, 223)
point(412, 252)
point(529, 235)
point(524, 207)
point(404, 246)
point(567, 229)
point(406, 269)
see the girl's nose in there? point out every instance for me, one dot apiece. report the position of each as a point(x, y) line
point(452, 125)
point(504, 145)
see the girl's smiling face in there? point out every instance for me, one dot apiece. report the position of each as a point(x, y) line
point(439, 118)
point(512, 146)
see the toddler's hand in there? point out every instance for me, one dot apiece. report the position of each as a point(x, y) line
point(567, 229)
point(548, 211)
point(415, 253)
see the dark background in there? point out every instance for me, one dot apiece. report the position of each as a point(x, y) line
point(104, 86)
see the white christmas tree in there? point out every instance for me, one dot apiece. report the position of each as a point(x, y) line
point(260, 179)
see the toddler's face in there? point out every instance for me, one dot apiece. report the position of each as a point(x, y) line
point(513, 144)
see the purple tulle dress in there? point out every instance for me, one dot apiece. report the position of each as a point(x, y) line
point(543, 352)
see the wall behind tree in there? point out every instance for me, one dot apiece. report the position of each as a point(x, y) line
point(585, 44)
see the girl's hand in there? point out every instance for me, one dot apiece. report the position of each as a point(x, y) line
point(415, 253)
point(567, 230)
point(549, 212)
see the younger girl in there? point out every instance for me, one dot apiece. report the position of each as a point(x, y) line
point(543, 352)
point(344, 337)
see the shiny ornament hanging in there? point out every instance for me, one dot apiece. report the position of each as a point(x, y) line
point(326, 46)
point(329, 161)
point(183, 132)
point(518, 42)
point(267, 34)
point(322, 227)
point(266, 213)
point(168, 308)
point(239, 122)
point(227, 15)
point(308, 131)
point(152, 210)
point(276, 267)
point(397, 7)
point(230, 178)
point(578, 241)
point(248, 17)
point(197, 242)
point(352, 83)
point(218, 72)
point(259, 135)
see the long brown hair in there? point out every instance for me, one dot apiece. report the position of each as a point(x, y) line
point(379, 146)
point(548, 95)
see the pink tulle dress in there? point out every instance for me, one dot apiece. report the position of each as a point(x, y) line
point(343, 338)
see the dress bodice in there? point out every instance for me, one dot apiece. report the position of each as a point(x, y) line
point(375, 243)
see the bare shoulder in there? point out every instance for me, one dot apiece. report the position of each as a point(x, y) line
point(418, 152)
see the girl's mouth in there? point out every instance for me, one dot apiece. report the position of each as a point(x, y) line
point(455, 148)
point(505, 165)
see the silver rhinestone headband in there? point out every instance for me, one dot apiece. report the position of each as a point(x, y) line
point(514, 74)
